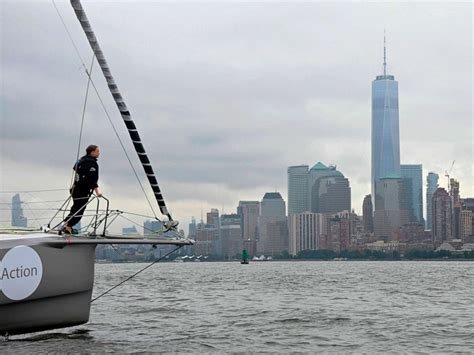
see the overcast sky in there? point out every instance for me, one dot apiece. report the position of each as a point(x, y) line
point(227, 95)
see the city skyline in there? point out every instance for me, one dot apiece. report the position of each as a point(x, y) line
point(255, 83)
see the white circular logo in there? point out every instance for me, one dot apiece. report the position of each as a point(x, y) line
point(21, 271)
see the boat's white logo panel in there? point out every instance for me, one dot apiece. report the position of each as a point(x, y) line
point(21, 271)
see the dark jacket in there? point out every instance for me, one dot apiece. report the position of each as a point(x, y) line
point(87, 174)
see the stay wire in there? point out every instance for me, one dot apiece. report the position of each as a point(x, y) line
point(27, 191)
point(89, 78)
point(105, 110)
point(135, 274)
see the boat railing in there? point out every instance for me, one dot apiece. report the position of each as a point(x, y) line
point(101, 217)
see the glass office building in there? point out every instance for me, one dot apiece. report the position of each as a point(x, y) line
point(413, 173)
point(385, 129)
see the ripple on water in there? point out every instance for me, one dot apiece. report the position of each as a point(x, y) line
point(276, 307)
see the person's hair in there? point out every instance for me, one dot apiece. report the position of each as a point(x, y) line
point(91, 148)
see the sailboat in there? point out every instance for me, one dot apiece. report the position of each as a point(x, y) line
point(47, 279)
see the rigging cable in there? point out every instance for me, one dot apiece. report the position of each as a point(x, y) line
point(105, 109)
point(27, 191)
point(135, 274)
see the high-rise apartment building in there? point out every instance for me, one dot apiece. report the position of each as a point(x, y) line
point(412, 175)
point(431, 186)
point(385, 128)
point(305, 231)
point(298, 189)
point(441, 216)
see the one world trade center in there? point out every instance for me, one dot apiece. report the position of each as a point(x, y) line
point(385, 128)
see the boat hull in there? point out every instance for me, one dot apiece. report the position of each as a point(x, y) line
point(62, 296)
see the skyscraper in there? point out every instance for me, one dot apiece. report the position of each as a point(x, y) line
point(272, 225)
point(231, 236)
point(431, 186)
point(329, 190)
point(368, 214)
point(248, 212)
point(456, 208)
point(297, 189)
point(385, 127)
point(305, 231)
point(441, 217)
point(192, 228)
point(391, 207)
point(212, 218)
point(318, 171)
point(18, 220)
point(413, 175)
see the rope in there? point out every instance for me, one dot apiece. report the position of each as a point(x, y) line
point(105, 109)
point(89, 76)
point(26, 191)
point(135, 274)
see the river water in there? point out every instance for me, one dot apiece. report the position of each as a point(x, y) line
point(274, 307)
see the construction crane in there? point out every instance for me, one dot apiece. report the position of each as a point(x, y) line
point(447, 174)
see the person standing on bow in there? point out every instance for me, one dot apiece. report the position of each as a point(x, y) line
point(85, 182)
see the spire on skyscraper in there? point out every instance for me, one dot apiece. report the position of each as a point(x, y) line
point(384, 56)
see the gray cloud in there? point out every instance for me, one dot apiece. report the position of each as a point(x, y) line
point(227, 95)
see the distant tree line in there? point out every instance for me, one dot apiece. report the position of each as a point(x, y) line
point(442, 254)
point(376, 255)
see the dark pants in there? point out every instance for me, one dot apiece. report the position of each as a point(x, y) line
point(80, 199)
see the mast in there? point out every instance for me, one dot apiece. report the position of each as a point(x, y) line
point(124, 112)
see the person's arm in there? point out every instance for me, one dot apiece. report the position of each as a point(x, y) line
point(92, 177)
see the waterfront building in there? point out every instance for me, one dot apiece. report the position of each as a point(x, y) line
point(385, 128)
point(298, 189)
point(431, 186)
point(339, 232)
point(368, 214)
point(466, 219)
point(305, 231)
point(391, 207)
point(468, 204)
point(441, 217)
point(412, 233)
point(18, 219)
point(206, 241)
point(272, 225)
point(231, 236)
point(412, 175)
